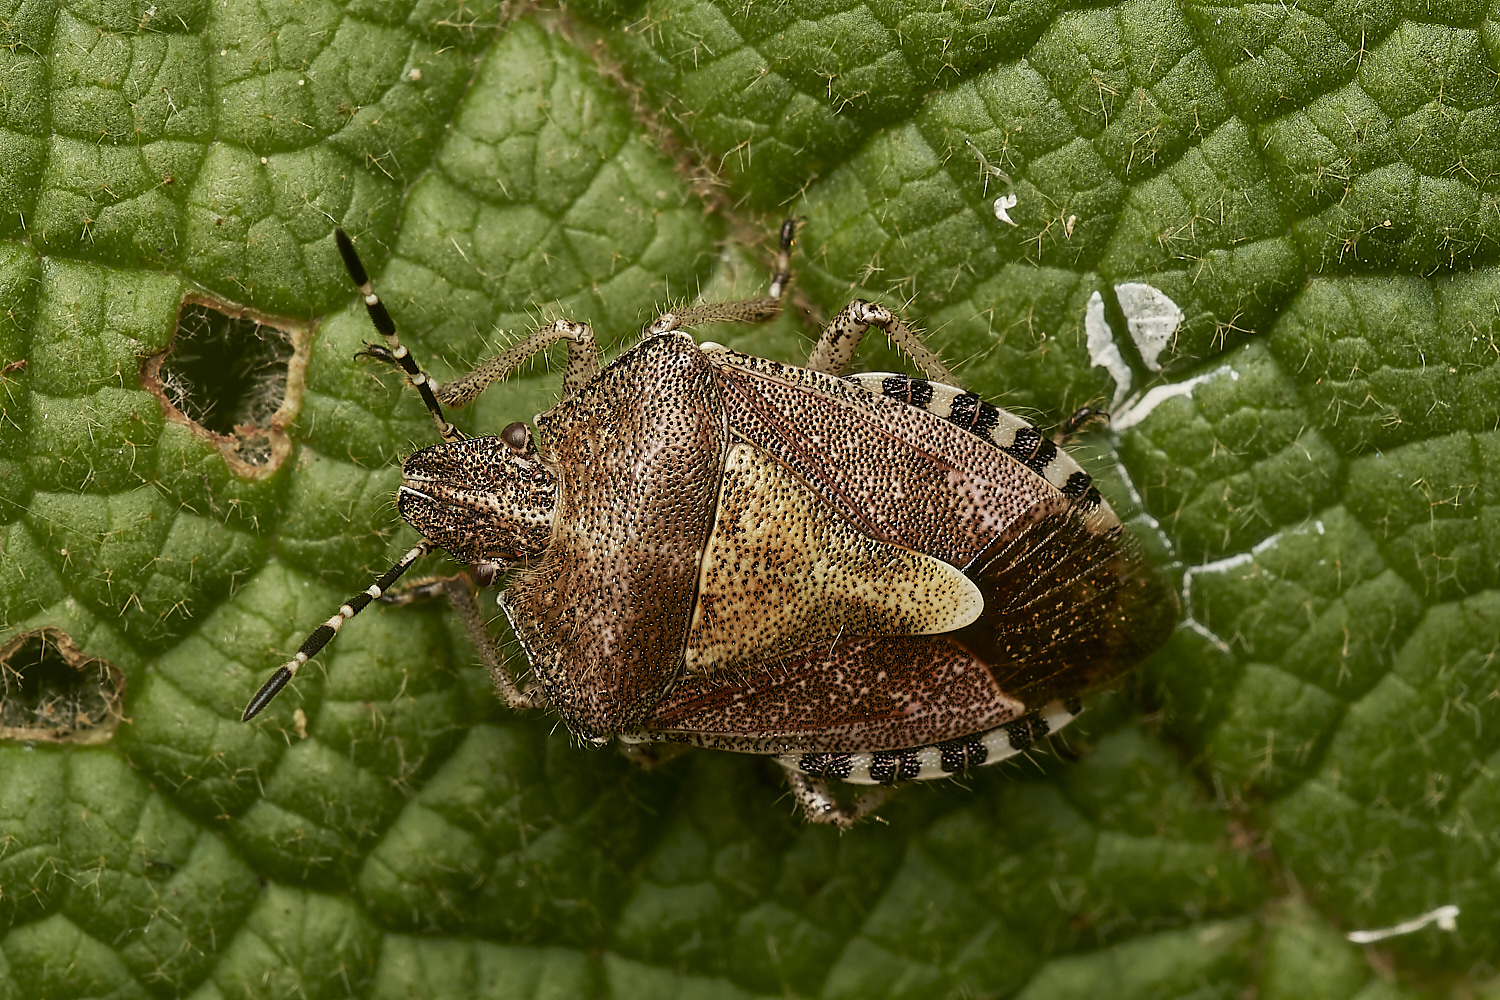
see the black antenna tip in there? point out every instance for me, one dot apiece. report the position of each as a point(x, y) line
point(270, 689)
point(352, 263)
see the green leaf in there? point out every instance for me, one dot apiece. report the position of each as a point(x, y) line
point(1276, 224)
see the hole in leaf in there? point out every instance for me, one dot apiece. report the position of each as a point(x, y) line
point(51, 692)
point(235, 376)
point(226, 373)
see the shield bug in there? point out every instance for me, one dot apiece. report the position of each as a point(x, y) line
point(874, 578)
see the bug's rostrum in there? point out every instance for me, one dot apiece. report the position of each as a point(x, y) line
point(477, 499)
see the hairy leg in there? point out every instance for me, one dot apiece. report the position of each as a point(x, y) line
point(759, 310)
point(460, 591)
point(583, 362)
point(819, 805)
point(835, 348)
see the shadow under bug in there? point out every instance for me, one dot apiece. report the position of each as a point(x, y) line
point(876, 578)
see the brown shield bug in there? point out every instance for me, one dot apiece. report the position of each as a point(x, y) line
point(876, 578)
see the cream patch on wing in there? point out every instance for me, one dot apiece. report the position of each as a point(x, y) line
point(782, 572)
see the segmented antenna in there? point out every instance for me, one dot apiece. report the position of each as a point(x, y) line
point(394, 352)
point(326, 631)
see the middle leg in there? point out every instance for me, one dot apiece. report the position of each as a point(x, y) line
point(460, 593)
point(759, 310)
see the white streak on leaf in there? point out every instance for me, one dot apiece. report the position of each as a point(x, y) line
point(1446, 917)
point(1141, 408)
point(1103, 352)
point(1225, 565)
point(1153, 319)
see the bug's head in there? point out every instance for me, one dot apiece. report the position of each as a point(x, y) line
point(481, 499)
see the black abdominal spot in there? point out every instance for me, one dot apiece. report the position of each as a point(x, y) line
point(978, 753)
point(1032, 449)
point(962, 753)
point(915, 391)
point(826, 765)
point(973, 414)
point(1077, 484)
point(1019, 733)
point(1025, 444)
point(963, 408)
point(1045, 453)
point(953, 755)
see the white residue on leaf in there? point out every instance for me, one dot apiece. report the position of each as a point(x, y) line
point(1153, 319)
point(1142, 514)
point(1446, 917)
point(986, 168)
point(1003, 205)
point(1225, 565)
point(1005, 202)
point(1103, 352)
point(1141, 408)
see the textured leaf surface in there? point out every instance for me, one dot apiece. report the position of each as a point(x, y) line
point(1308, 442)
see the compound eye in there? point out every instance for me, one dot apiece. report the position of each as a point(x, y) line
point(516, 437)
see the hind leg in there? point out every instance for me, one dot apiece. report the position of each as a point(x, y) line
point(1077, 421)
point(820, 806)
point(835, 348)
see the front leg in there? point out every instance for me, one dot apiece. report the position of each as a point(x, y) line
point(835, 348)
point(460, 591)
point(479, 575)
point(583, 362)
